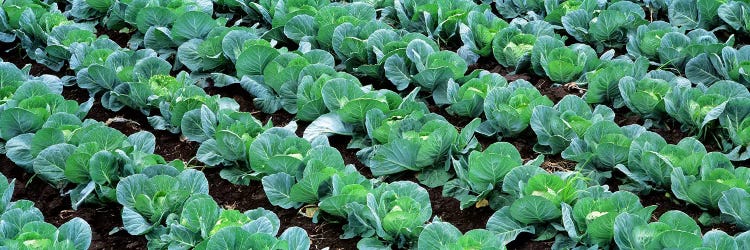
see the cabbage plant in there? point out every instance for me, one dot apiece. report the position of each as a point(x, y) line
point(23, 225)
point(593, 219)
point(605, 28)
point(124, 76)
point(555, 10)
point(510, 9)
point(414, 142)
point(172, 208)
point(310, 103)
point(508, 109)
point(427, 67)
point(225, 136)
point(437, 20)
point(438, 235)
point(726, 64)
point(555, 127)
point(316, 27)
point(603, 82)
point(648, 39)
point(645, 97)
point(44, 32)
point(602, 147)
point(674, 229)
point(481, 176)
point(734, 13)
point(325, 178)
point(394, 215)
point(677, 48)
point(174, 106)
point(550, 57)
point(696, 108)
point(88, 154)
point(735, 120)
point(273, 76)
point(651, 161)
point(535, 202)
point(512, 45)
point(734, 203)
point(706, 188)
point(477, 34)
point(162, 25)
point(29, 103)
point(351, 101)
point(693, 14)
point(468, 98)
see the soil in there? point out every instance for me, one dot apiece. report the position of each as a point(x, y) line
point(116, 36)
point(349, 154)
point(10, 52)
point(129, 121)
point(525, 241)
point(245, 100)
point(56, 210)
point(449, 210)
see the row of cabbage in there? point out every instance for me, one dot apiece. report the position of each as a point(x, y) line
point(171, 207)
point(47, 135)
point(223, 126)
point(414, 61)
point(419, 161)
point(360, 37)
point(229, 127)
point(167, 205)
point(548, 205)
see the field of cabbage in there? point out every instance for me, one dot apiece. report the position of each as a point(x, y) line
point(374, 124)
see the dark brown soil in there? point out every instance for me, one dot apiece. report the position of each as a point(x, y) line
point(525, 241)
point(449, 210)
point(12, 52)
point(556, 92)
point(120, 38)
point(555, 163)
point(524, 142)
point(129, 121)
point(624, 117)
point(57, 210)
point(487, 63)
point(245, 100)
point(671, 133)
point(350, 155)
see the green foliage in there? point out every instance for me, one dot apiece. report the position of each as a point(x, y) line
point(597, 216)
point(705, 189)
point(561, 63)
point(512, 45)
point(508, 109)
point(443, 235)
point(555, 127)
point(697, 108)
point(602, 147)
point(23, 226)
point(172, 208)
point(414, 142)
point(468, 99)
